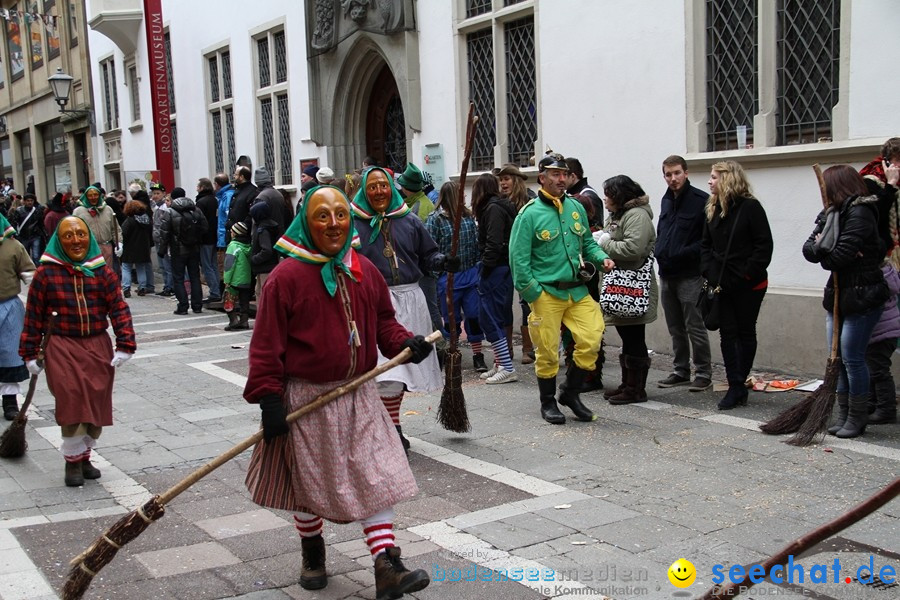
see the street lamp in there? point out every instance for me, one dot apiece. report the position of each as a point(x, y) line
point(61, 84)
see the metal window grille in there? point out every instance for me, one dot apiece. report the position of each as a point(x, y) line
point(477, 7)
point(115, 95)
point(213, 78)
point(732, 87)
point(521, 100)
point(175, 159)
point(262, 54)
point(481, 93)
point(280, 57)
point(229, 135)
point(268, 133)
point(808, 49)
point(284, 139)
point(169, 76)
point(134, 90)
point(217, 140)
point(395, 135)
point(107, 96)
point(226, 74)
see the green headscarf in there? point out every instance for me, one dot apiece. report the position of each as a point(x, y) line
point(55, 254)
point(101, 203)
point(362, 208)
point(297, 243)
point(6, 230)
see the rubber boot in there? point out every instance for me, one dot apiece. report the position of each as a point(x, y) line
point(88, 470)
point(569, 394)
point(403, 440)
point(857, 418)
point(232, 321)
point(549, 409)
point(393, 579)
point(10, 407)
point(527, 347)
point(312, 570)
point(593, 381)
point(610, 393)
point(635, 382)
point(74, 476)
point(885, 403)
point(843, 405)
point(478, 363)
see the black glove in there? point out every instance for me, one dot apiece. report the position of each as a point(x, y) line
point(451, 264)
point(420, 348)
point(273, 417)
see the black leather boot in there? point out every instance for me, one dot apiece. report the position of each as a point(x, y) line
point(312, 570)
point(842, 414)
point(74, 476)
point(885, 403)
point(857, 417)
point(736, 395)
point(232, 321)
point(10, 407)
point(549, 410)
point(569, 394)
point(393, 579)
point(478, 362)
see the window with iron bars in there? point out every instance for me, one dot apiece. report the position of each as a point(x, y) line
point(220, 106)
point(804, 72)
point(171, 79)
point(502, 80)
point(273, 105)
point(134, 92)
point(110, 94)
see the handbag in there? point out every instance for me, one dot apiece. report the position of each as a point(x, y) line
point(708, 301)
point(626, 292)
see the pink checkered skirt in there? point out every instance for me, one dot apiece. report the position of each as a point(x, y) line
point(343, 462)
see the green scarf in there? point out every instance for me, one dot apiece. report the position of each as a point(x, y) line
point(362, 208)
point(55, 254)
point(101, 203)
point(297, 243)
point(6, 230)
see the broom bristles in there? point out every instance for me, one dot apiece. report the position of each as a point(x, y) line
point(816, 422)
point(87, 564)
point(13, 443)
point(452, 410)
point(790, 420)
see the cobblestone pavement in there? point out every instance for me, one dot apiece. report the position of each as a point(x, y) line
point(515, 509)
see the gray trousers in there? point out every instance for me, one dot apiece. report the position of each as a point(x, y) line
point(679, 301)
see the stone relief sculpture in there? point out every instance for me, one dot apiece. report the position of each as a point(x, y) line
point(335, 20)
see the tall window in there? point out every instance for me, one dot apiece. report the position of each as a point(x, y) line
point(171, 77)
point(52, 29)
point(14, 45)
point(35, 34)
point(73, 24)
point(273, 105)
point(795, 78)
point(221, 106)
point(110, 94)
point(134, 92)
point(502, 80)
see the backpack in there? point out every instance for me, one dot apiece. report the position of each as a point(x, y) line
point(189, 229)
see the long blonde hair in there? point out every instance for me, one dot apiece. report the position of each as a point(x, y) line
point(732, 184)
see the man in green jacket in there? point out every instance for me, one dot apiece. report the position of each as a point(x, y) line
point(552, 254)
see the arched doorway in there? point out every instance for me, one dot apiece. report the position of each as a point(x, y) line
point(385, 123)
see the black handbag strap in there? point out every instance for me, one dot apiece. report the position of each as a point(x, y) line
point(728, 246)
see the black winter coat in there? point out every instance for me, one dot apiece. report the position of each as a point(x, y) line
point(856, 258)
point(137, 237)
point(34, 226)
point(209, 206)
point(751, 248)
point(495, 223)
point(679, 233)
point(263, 257)
point(239, 210)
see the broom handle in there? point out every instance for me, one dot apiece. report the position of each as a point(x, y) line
point(812, 538)
point(32, 383)
point(173, 492)
point(835, 334)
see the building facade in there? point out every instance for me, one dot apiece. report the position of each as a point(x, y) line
point(618, 84)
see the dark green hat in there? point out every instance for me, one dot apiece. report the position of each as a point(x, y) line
point(411, 178)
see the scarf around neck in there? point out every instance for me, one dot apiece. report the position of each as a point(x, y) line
point(361, 207)
point(54, 254)
point(95, 208)
point(6, 229)
point(297, 243)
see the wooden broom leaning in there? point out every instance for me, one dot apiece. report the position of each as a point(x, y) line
point(13, 442)
point(86, 565)
point(809, 417)
point(452, 409)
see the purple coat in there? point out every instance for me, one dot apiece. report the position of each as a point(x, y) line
point(888, 327)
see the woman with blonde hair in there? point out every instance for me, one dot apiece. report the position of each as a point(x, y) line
point(735, 252)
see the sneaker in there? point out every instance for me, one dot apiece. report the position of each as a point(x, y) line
point(491, 373)
point(672, 381)
point(502, 376)
point(701, 384)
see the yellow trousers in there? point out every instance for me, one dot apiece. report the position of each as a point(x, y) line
point(583, 318)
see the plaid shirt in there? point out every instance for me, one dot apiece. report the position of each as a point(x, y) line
point(440, 227)
point(85, 306)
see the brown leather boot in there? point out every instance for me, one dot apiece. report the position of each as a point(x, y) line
point(88, 470)
point(635, 389)
point(74, 476)
point(612, 392)
point(312, 572)
point(392, 579)
point(527, 347)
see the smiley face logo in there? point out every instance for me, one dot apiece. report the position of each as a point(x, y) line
point(682, 573)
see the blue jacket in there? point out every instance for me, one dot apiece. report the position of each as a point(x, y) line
point(680, 231)
point(224, 197)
